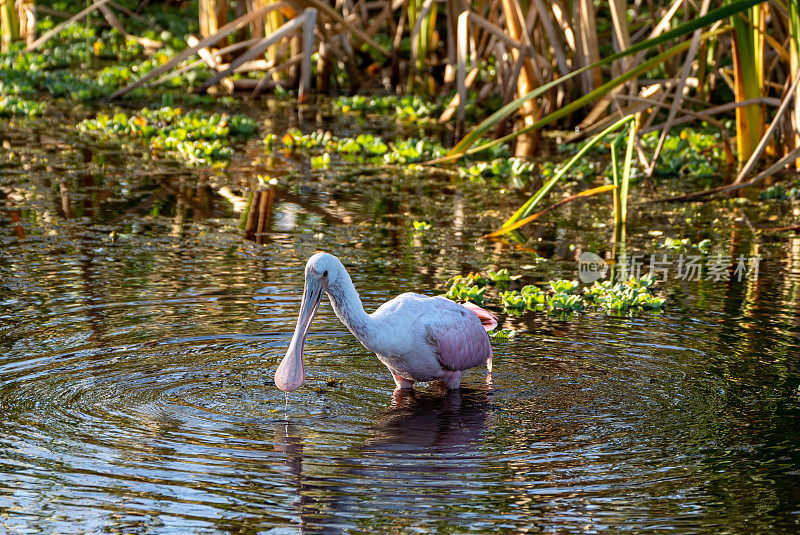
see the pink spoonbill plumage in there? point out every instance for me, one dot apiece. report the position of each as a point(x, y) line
point(419, 338)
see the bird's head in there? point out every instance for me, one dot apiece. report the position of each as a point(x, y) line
point(323, 268)
point(322, 271)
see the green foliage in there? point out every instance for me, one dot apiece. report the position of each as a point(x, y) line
point(362, 148)
point(620, 297)
point(500, 278)
point(407, 108)
point(14, 106)
point(502, 334)
point(516, 171)
point(199, 138)
point(695, 153)
point(458, 292)
point(561, 298)
point(777, 192)
point(528, 298)
point(564, 286)
point(82, 63)
point(561, 301)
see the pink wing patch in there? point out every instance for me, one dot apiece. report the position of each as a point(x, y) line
point(488, 319)
point(460, 342)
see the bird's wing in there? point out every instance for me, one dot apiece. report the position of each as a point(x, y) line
point(488, 319)
point(458, 338)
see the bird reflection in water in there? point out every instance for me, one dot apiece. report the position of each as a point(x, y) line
point(425, 434)
point(438, 419)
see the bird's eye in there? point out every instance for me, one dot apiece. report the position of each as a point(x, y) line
point(325, 273)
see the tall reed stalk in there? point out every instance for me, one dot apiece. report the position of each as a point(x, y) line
point(272, 21)
point(748, 76)
point(9, 24)
point(422, 16)
point(794, 65)
point(620, 187)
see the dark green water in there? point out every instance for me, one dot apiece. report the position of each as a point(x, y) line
point(136, 390)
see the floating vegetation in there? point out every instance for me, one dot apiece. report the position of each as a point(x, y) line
point(516, 171)
point(463, 293)
point(370, 148)
point(362, 148)
point(778, 193)
point(199, 138)
point(564, 286)
point(85, 64)
point(635, 293)
point(412, 108)
point(502, 334)
point(559, 297)
point(692, 152)
point(408, 108)
point(15, 106)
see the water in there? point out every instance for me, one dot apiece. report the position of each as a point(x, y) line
point(140, 328)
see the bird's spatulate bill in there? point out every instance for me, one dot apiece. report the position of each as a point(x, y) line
point(290, 374)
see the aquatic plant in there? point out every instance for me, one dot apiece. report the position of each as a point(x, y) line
point(561, 301)
point(199, 138)
point(562, 297)
point(408, 108)
point(14, 106)
point(75, 63)
point(502, 334)
point(364, 147)
point(564, 286)
point(691, 152)
point(459, 292)
point(631, 294)
point(778, 192)
point(516, 171)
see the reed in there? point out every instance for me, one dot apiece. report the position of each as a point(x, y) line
point(747, 39)
point(620, 187)
point(9, 23)
point(794, 65)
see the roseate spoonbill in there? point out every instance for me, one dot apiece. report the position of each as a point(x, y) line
point(418, 338)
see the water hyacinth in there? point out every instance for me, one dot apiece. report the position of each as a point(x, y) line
point(502, 334)
point(512, 300)
point(500, 278)
point(624, 296)
point(197, 137)
point(470, 279)
point(408, 108)
point(564, 302)
point(561, 297)
point(516, 171)
point(67, 65)
point(364, 147)
point(462, 293)
point(564, 286)
point(20, 107)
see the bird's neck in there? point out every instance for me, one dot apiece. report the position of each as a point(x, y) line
point(348, 308)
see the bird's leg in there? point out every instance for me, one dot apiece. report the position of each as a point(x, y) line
point(452, 379)
point(401, 382)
